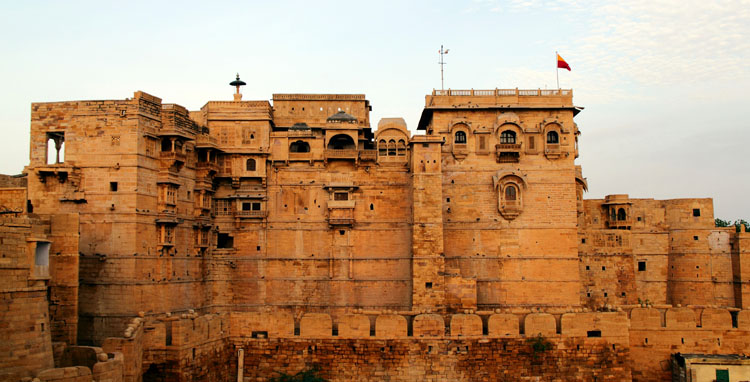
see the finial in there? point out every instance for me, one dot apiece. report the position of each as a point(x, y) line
point(237, 83)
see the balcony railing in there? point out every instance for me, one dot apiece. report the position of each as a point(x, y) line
point(508, 147)
point(299, 156)
point(300, 133)
point(341, 154)
point(369, 155)
point(252, 214)
point(619, 223)
point(173, 155)
point(203, 141)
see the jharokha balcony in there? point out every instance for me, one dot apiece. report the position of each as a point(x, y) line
point(508, 152)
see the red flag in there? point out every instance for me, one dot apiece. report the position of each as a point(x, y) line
point(561, 64)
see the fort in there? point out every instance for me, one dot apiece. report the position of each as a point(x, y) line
point(147, 242)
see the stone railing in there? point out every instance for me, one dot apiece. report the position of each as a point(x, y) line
point(251, 214)
point(341, 154)
point(369, 155)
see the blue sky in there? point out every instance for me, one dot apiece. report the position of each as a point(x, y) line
point(663, 82)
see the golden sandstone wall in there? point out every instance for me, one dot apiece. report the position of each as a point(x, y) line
point(294, 231)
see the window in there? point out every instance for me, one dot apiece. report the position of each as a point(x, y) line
point(552, 137)
point(510, 193)
point(392, 147)
point(531, 143)
point(299, 147)
point(224, 241)
point(382, 148)
point(696, 212)
point(256, 206)
point(246, 206)
point(722, 375)
point(222, 207)
point(621, 215)
point(250, 165)
point(460, 137)
point(482, 143)
point(55, 147)
point(641, 266)
point(401, 147)
point(113, 186)
point(41, 253)
point(508, 137)
point(340, 196)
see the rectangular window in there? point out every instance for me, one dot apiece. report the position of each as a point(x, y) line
point(340, 196)
point(113, 186)
point(641, 266)
point(722, 375)
point(225, 241)
point(256, 206)
point(246, 206)
point(223, 207)
point(696, 212)
point(41, 254)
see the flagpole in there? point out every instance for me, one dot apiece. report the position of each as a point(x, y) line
point(557, 72)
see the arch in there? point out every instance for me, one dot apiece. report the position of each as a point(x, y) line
point(382, 148)
point(553, 137)
point(621, 214)
point(401, 147)
point(508, 137)
point(341, 142)
point(460, 137)
point(299, 147)
point(250, 165)
point(510, 192)
point(392, 147)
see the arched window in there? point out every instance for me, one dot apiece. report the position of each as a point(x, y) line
point(250, 165)
point(382, 148)
point(392, 147)
point(510, 193)
point(621, 215)
point(299, 147)
point(460, 137)
point(401, 147)
point(508, 136)
point(341, 142)
point(552, 137)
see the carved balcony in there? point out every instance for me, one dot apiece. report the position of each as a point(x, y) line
point(341, 212)
point(508, 152)
point(251, 214)
point(553, 150)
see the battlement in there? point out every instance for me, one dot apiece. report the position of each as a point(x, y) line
point(499, 97)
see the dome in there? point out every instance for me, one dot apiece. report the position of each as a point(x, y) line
point(341, 116)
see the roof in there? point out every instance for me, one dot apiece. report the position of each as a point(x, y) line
point(341, 116)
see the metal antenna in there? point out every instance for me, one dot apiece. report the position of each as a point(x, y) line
point(442, 62)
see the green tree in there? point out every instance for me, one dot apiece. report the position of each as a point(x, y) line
point(722, 223)
point(739, 222)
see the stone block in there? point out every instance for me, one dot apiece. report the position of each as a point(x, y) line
point(540, 323)
point(612, 324)
point(743, 319)
point(680, 318)
point(712, 318)
point(466, 325)
point(354, 326)
point(390, 326)
point(315, 325)
point(645, 318)
point(503, 325)
point(428, 325)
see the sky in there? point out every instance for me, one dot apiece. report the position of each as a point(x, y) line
point(664, 83)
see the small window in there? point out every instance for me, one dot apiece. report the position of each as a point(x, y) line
point(508, 137)
point(594, 333)
point(722, 375)
point(246, 206)
point(428, 285)
point(695, 237)
point(383, 148)
point(583, 241)
point(510, 193)
point(696, 212)
point(460, 137)
point(299, 147)
point(588, 267)
point(250, 165)
point(340, 196)
point(552, 137)
point(41, 253)
point(605, 294)
point(604, 268)
point(113, 186)
point(622, 215)
point(225, 241)
point(641, 266)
